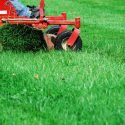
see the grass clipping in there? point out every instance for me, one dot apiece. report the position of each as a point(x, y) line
point(21, 38)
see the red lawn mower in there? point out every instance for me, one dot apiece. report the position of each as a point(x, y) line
point(57, 37)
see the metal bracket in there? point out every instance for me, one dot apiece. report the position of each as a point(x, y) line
point(62, 29)
point(72, 39)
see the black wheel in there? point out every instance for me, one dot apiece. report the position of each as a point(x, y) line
point(61, 42)
point(52, 32)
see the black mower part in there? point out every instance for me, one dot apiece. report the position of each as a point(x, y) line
point(35, 11)
point(53, 31)
point(61, 42)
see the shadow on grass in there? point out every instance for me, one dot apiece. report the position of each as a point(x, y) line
point(21, 38)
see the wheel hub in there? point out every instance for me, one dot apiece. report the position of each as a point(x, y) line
point(65, 46)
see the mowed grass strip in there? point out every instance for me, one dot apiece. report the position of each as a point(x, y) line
point(63, 88)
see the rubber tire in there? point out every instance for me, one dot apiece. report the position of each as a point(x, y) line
point(66, 34)
point(53, 30)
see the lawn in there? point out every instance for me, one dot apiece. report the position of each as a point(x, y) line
point(68, 88)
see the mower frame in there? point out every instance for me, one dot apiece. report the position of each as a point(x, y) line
point(8, 15)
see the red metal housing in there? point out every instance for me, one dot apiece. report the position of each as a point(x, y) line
point(8, 15)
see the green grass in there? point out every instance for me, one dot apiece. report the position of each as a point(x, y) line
point(68, 88)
